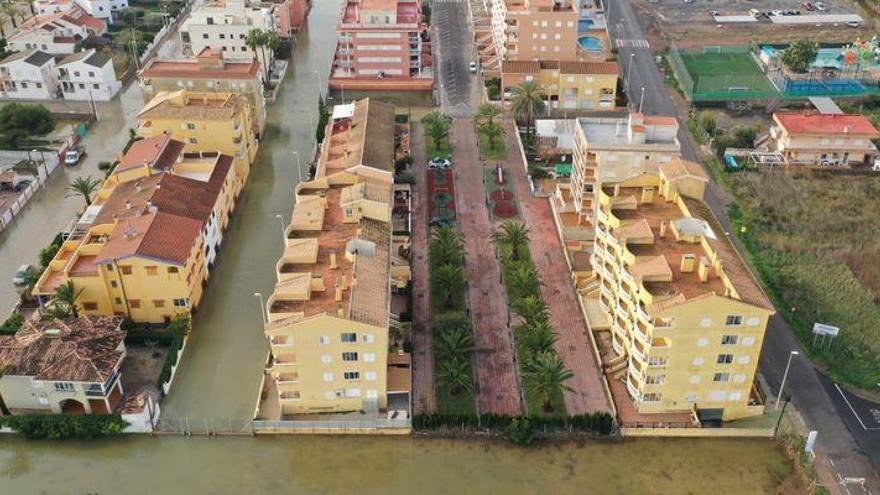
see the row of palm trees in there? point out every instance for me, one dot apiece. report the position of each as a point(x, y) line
point(437, 125)
point(453, 331)
point(485, 123)
point(543, 372)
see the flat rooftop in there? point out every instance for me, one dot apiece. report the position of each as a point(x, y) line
point(633, 131)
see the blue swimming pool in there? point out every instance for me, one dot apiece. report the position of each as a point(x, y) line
point(585, 25)
point(590, 43)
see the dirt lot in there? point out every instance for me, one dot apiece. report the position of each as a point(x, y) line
point(141, 368)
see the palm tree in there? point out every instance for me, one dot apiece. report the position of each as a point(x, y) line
point(454, 343)
point(531, 308)
point(66, 296)
point(85, 187)
point(545, 375)
point(527, 102)
point(446, 246)
point(257, 40)
point(492, 131)
point(448, 281)
point(522, 280)
point(437, 126)
point(538, 337)
point(487, 113)
point(455, 373)
point(450, 321)
point(514, 238)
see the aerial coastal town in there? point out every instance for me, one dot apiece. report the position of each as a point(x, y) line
point(481, 246)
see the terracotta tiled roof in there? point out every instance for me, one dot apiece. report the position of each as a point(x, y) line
point(154, 235)
point(816, 123)
point(564, 67)
point(520, 67)
point(159, 152)
point(678, 168)
point(86, 349)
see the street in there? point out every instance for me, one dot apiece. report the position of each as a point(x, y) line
point(820, 410)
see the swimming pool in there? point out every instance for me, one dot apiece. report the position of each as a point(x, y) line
point(585, 25)
point(590, 43)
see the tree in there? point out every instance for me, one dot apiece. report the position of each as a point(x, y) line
point(743, 137)
point(452, 320)
point(454, 343)
point(513, 238)
point(544, 375)
point(446, 246)
point(21, 120)
point(800, 55)
point(531, 308)
point(522, 280)
point(10, 11)
point(106, 167)
point(85, 187)
point(527, 102)
point(258, 40)
point(487, 113)
point(538, 336)
point(449, 281)
point(492, 131)
point(455, 373)
point(707, 122)
point(65, 299)
point(437, 126)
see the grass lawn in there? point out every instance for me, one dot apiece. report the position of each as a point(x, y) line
point(497, 152)
point(432, 151)
point(813, 238)
point(463, 403)
point(719, 72)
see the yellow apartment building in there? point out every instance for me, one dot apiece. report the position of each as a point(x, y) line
point(567, 85)
point(145, 247)
point(605, 151)
point(535, 29)
point(217, 122)
point(686, 317)
point(824, 139)
point(329, 315)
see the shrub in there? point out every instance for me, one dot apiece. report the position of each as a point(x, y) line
point(61, 426)
point(12, 324)
point(598, 422)
point(170, 360)
point(49, 252)
point(520, 431)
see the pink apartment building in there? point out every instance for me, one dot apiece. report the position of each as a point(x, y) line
point(380, 47)
point(290, 16)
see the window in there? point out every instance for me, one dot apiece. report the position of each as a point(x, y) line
point(651, 397)
point(190, 126)
point(352, 375)
point(743, 359)
point(76, 73)
point(372, 394)
point(113, 284)
point(181, 303)
point(348, 337)
point(125, 269)
point(329, 395)
point(328, 377)
point(352, 392)
point(96, 86)
point(158, 303)
point(323, 340)
point(222, 36)
point(655, 379)
point(748, 341)
point(368, 338)
point(733, 320)
point(151, 270)
point(729, 339)
point(39, 85)
point(109, 267)
point(173, 269)
point(691, 397)
point(134, 303)
point(370, 376)
point(82, 86)
point(724, 359)
point(694, 379)
point(193, 140)
point(369, 357)
point(205, 36)
point(721, 377)
point(90, 306)
point(63, 387)
point(117, 300)
point(91, 74)
point(656, 361)
point(325, 358)
point(349, 356)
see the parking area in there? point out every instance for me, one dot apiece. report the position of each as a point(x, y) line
point(688, 11)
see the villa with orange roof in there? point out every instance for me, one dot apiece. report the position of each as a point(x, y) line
point(824, 139)
point(56, 33)
point(328, 317)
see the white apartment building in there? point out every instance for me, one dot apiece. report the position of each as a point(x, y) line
point(88, 75)
point(223, 26)
point(57, 32)
point(102, 9)
point(29, 75)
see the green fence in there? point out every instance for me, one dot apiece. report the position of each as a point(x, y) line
point(681, 73)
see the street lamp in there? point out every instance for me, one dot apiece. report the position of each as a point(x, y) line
point(283, 229)
point(298, 168)
point(259, 296)
point(784, 376)
point(632, 58)
point(642, 99)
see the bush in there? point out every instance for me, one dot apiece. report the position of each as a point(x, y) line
point(520, 431)
point(170, 360)
point(598, 422)
point(61, 426)
point(141, 336)
point(48, 253)
point(12, 324)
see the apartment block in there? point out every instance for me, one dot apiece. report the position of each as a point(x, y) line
point(204, 122)
point(69, 366)
point(223, 26)
point(28, 75)
point(687, 319)
point(56, 33)
point(88, 75)
point(329, 315)
point(535, 29)
point(567, 85)
point(824, 139)
point(290, 16)
point(145, 247)
point(380, 46)
point(209, 72)
point(606, 151)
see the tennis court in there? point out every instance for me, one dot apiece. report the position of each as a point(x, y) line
point(726, 73)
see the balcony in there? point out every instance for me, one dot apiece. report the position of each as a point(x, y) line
point(281, 340)
point(284, 360)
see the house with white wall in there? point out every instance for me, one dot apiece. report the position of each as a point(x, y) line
point(103, 9)
point(29, 75)
point(88, 75)
point(223, 25)
point(57, 32)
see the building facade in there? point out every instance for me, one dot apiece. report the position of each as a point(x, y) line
point(56, 33)
point(88, 75)
point(569, 85)
point(687, 319)
point(380, 45)
point(70, 366)
point(204, 122)
point(824, 139)
point(223, 26)
point(29, 75)
point(535, 29)
point(209, 71)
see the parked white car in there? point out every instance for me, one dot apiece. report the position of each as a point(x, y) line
point(19, 277)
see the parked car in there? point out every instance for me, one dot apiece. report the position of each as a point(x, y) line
point(755, 13)
point(820, 7)
point(73, 156)
point(809, 5)
point(713, 13)
point(19, 277)
point(473, 67)
point(439, 162)
point(854, 24)
point(776, 12)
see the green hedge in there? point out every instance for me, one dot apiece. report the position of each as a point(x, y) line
point(140, 336)
point(60, 426)
point(597, 422)
point(170, 360)
point(12, 324)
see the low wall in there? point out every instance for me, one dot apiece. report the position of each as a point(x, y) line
point(376, 84)
point(698, 432)
point(317, 427)
point(166, 387)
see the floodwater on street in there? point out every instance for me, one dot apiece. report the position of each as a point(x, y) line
point(364, 465)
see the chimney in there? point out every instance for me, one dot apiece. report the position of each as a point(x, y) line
point(333, 265)
point(648, 194)
point(703, 270)
point(687, 263)
point(663, 226)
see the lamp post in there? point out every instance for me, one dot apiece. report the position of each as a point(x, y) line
point(259, 296)
point(298, 168)
point(632, 58)
point(784, 376)
point(283, 230)
point(642, 99)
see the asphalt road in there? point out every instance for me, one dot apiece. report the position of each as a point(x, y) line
point(841, 437)
point(458, 88)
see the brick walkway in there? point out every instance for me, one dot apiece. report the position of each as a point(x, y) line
point(497, 377)
point(424, 398)
point(574, 345)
